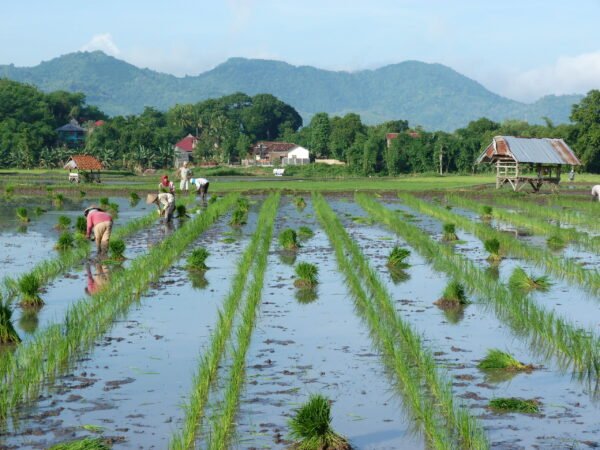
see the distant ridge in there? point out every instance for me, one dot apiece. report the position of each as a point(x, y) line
point(431, 95)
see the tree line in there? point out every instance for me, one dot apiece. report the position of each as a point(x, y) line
point(228, 126)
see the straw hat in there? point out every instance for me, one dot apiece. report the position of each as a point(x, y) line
point(151, 198)
point(89, 208)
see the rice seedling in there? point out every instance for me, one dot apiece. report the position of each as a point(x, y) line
point(113, 209)
point(82, 194)
point(58, 200)
point(81, 225)
point(449, 232)
point(497, 359)
point(299, 202)
point(311, 426)
point(38, 211)
point(520, 280)
point(305, 232)
point(487, 212)
point(454, 296)
point(134, 198)
point(116, 248)
point(514, 404)
point(243, 204)
point(9, 190)
point(104, 202)
point(86, 443)
point(29, 287)
point(66, 241)
point(213, 198)
point(63, 222)
point(555, 242)
point(238, 218)
point(397, 258)
point(181, 211)
point(197, 259)
point(8, 334)
point(288, 239)
point(307, 275)
point(22, 214)
point(492, 246)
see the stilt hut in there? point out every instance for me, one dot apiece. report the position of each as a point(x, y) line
point(84, 168)
point(522, 161)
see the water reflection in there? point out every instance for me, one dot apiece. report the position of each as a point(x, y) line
point(198, 279)
point(29, 321)
point(96, 280)
point(306, 295)
point(288, 257)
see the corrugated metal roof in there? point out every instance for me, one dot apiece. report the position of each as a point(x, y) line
point(530, 150)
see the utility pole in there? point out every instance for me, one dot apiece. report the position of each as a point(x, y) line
point(441, 159)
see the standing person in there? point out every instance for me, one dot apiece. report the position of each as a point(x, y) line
point(201, 186)
point(572, 174)
point(100, 222)
point(165, 202)
point(596, 192)
point(165, 185)
point(185, 174)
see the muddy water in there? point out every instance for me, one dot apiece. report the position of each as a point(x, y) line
point(569, 415)
point(23, 247)
point(134, 382)
point(316, 346)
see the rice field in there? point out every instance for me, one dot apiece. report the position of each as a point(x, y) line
point(460, 318)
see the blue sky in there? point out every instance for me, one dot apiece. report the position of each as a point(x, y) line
point(521, 49)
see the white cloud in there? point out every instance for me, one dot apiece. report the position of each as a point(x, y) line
point(568, 75)
point(103, 42)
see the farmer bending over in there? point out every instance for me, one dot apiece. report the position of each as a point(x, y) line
point(165, 202)
point(596, 192)
point(201, 186)
point(100, 223)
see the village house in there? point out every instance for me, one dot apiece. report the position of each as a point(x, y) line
point(270, 153)
point(72, 134)
point(184, 149)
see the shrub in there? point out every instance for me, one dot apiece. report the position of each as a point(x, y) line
point(307, 275)
point(8, 334)
point(288, 239)
point(521, 281)
point(65, 241)
point(497, 359)
point(492, 246)
point(22, 214)
point(311, 426)
point(197, 259)
point(116, 248)
point(29, 287)
point(63, 222)
point(305, 232)
point(513, 404)
point(449, 234)
point(397, 258)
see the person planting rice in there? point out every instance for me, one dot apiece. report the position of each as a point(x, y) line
point(184, 173)
point(201, 186)
point(596, 192)
point(100, 222)
point(165, 202)
point(166, 186)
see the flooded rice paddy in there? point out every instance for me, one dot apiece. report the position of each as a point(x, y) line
point(131, 386)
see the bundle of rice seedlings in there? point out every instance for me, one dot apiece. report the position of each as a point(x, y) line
point(63, 223)
point(243, 204)
point(197, 259)
point(305, 232)
point(104, 202)
point(116, 248)
point(514, 404)
point(492, 246)
point(288, 239)
point(238, 218)
point(9, 190)
point(113, 209)
point(486, 212)
point(299, 202)
point(134, 198)
point(81, 225)
point(213, 199)
point(521, 281)
point(311, 427)
point(29, 287)
point(8, 334)
point(555, 242)
point(82, 444)
point(449, 234)
point(22, 214)
point(397, 258)
point(38, 211)
point(65, 241)
point(181, 211)
point(454, 296)
point(58, 200)
point(82, 194)
point(307, 275)
point(497, 359)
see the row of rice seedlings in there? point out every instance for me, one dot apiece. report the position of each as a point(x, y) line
point(561, 267)
point(24, 371)
point(86, 443)
point(547, 332)
point(49, 269)
point(240, 213)
point(427, 394)
point(209, 363)
point(536, 225)
point(587, 218)
point(582, 205)
point(222, 424)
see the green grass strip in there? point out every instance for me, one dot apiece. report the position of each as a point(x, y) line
point(223, 424)
point(427, 393)
point(546, 331)
point(538, 226)
point(563, 268)
point(209, 363)
point(50, 351)
point(49, 269)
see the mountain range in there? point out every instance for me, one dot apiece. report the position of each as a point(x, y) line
point(431, 95)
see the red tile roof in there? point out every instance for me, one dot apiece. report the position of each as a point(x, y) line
point(272, 146)
point(86, 162)
point(187, 144)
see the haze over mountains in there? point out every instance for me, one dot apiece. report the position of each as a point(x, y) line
point(431, 95)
